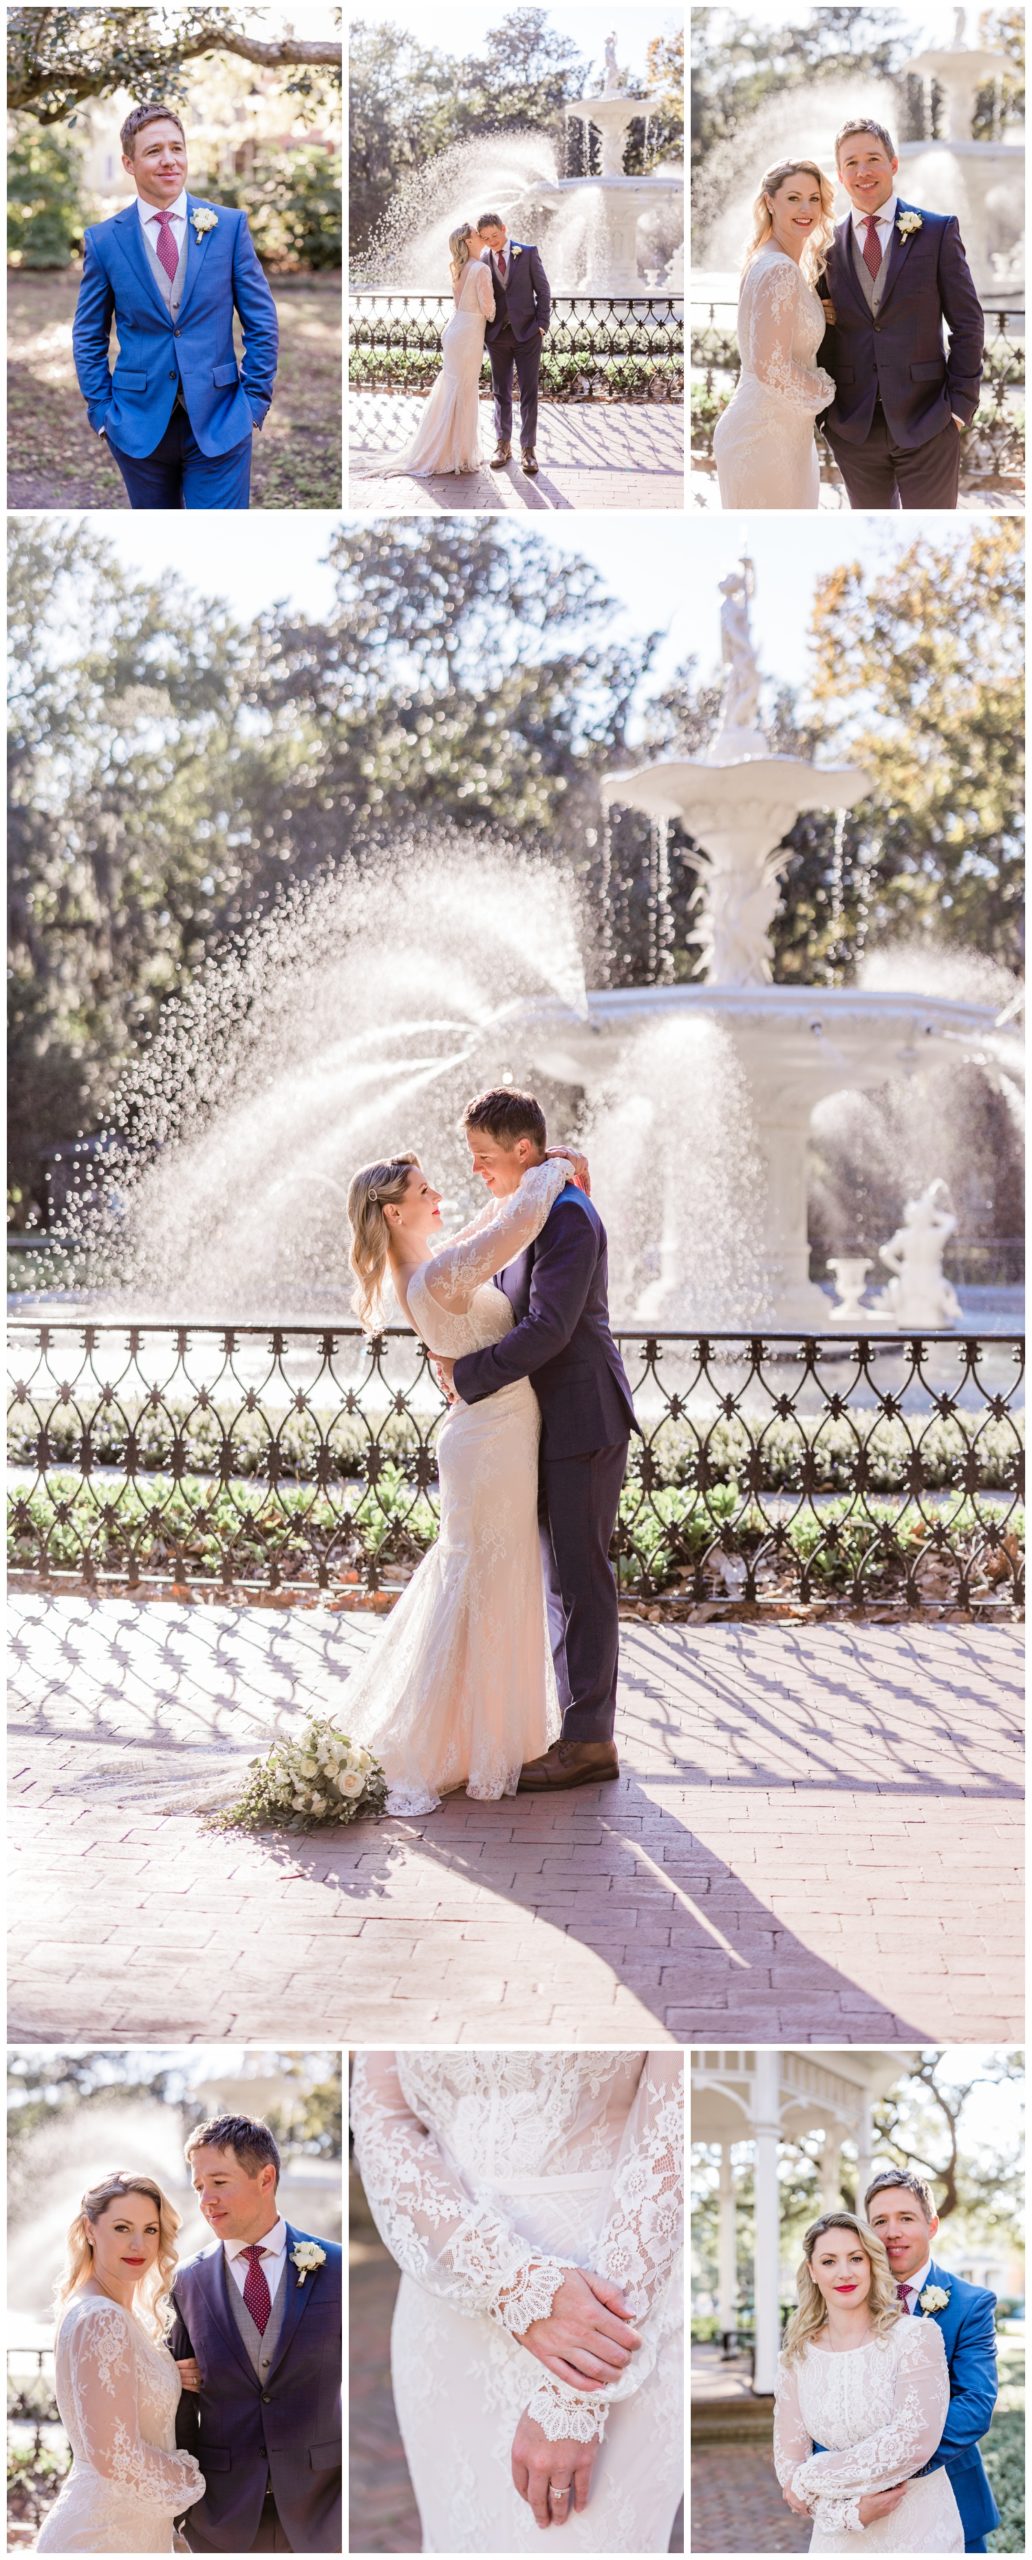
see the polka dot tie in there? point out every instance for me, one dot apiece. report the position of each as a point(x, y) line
point(501, 264)
point(902, 2296)
point(872, 250)
point(168, 254)
point(257, 2297)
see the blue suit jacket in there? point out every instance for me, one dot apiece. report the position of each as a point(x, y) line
point(245, 2437)
point(156, 353)
point(558, 1291)
point(524, 302)
point(900, 352)
point(969, 2334)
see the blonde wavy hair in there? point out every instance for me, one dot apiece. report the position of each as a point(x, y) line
point(815, 253)
point(813, 2310)
point(458, 248)
point(152, 2299)
point(376, 1188)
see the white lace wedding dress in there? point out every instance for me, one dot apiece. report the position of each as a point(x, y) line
point(117, 2391)
point(879, 2412)
point(459, 1690)
point(488, 2174)
point(764, 441)
point(448, 435)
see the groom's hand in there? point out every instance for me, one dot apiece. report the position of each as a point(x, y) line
point(880, 2502)
point(587, 2338)
point(443, 1371)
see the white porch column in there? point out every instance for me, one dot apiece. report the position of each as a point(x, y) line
point(727, 2275)
point(767, 2135)
point(831, 2174)
point(864, 2153)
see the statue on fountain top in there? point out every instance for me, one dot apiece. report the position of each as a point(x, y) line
point(612, 78)
point(741, 706)
point(959, 30)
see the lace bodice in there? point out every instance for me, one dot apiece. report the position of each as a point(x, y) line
point(780, 327)
point(451, 1301)
point(475, 290)
point(118, 2391)
point(444, 2143)
point(878, 2410)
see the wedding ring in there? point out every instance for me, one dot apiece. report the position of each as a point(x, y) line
point(556, 2492)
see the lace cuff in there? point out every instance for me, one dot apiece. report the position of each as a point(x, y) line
point(560, 2413)
point(839, 2515)
point(530, 2294)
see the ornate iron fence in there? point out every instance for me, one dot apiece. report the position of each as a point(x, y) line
point(768, 1469)
point(598, 345)
point(994, 446)
point(38, 2452)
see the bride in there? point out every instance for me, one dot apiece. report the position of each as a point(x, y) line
point(764, 441)
point(460, 1689)
point(117, 2386)
point(869, 2385)
point(532, 2200)
point(448, 435)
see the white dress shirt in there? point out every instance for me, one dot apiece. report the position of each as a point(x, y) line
point(177, 213)
point(885, 217)
point(915, 2286)
point(273, 2246)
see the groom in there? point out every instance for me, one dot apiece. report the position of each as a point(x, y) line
point(260, 2310)
point(561, 1341)
point(894, 276)
point(523, 309)
point(170, 270)
point(899, 2207)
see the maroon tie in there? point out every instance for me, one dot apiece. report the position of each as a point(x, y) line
point(168, 254)
point(872, 245)
point(256, 2287)
point(902, 2290)
point(501, 264)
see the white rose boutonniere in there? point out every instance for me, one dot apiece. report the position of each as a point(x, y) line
point(933, 2299)
point(517, 253)
point(203, 219)
point(907, 223)
point(306, 2257)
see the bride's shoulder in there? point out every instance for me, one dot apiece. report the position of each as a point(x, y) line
point(918, 2341)
point(106, 2320)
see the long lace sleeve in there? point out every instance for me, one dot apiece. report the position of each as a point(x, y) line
point(102, 2365)
point(462, 1266)
point(639, 2246)
point(485, 292)
point(464, 2251)
point(834, 2483)
point(792, 2439)
point(770, 311)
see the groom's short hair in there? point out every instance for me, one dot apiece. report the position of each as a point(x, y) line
point(506, 1115)
point(864, 124)
point(137, 118)
point(250, 2139)
point(490, 222)
point(901, 2178)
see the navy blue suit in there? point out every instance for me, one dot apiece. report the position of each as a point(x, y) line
point(523, 309)
point(897, 388)
point(246, 2439)
point(176, 377)
point(561, 1341)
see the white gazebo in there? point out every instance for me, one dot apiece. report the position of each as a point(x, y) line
point(764, 2096)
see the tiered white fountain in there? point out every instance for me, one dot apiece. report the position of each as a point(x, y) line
point(982, 182)
point(619, 210)
point(787, 1047)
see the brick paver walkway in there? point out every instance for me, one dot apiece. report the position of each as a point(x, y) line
point(737, 2505)
point(599, 454)
point(816, 1835)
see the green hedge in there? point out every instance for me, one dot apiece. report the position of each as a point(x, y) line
point(1004, 2456)
point(571, 376)
point(45, 216)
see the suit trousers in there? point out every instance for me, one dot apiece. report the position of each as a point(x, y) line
point(524, 354)
point(178, 474)
point(270, 2535)
point(580, 1500)
point(880, 474)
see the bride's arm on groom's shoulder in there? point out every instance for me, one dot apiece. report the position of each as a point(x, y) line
point(844, 2484)
point(466, 1261)
point(772, 307)
point(105, 2388)
point(485, 291)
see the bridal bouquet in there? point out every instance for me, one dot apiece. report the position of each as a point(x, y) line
point(317, 1777)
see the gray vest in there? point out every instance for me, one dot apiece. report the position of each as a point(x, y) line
point(169, 287)
point(261, 2350)
point(872, 287)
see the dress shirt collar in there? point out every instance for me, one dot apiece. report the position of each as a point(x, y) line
point(886, 214)
point(916, 2284)
point(272, 2243)
point(178, 211)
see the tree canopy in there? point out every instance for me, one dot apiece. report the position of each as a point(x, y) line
point(57, 58)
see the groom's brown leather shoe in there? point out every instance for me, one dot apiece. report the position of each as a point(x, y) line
point(503, 455)
point(529, 461)
point(569, 1764)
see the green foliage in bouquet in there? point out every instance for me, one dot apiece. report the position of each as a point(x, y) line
point(318, 1777)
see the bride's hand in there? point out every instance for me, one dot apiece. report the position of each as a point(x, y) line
point(880, 2502)
point(581, 1172)
point(189, 2372)
point(586, 2339)
point(554, 2478)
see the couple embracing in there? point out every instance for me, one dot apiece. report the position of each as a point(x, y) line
point(502, 294)
point(846, 325)
point(209, 2393)
point(497, 1668)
